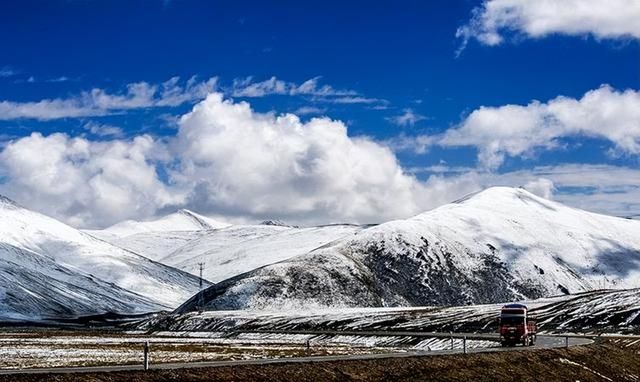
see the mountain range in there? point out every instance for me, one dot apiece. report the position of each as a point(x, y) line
point(501, 244)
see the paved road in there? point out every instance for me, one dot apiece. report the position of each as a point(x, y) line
point(542, 342)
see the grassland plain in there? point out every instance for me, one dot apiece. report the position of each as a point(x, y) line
point(606, 360)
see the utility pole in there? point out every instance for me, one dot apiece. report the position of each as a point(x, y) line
point(200, 296)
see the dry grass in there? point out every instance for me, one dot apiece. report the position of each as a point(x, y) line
point(606, 361)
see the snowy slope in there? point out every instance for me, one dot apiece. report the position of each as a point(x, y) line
point(238, 249)
point(498, 245)
point(153, 245)
point(35, 287)
point(60, 270)
point(182, 220)
point(230, 251)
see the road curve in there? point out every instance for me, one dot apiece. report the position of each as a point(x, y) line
point(543, 341)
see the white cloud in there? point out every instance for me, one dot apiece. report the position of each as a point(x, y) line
point(103, 130)
point(602, 19)
point(612, 190)
point(228, 160)
point(306, 110)
point(407, 118)
point(419, 144)
point(171, 93)
point(98, 102)
point(247, 87)
point(85, 182)
point(7, 71)
point(59, 79)
point(542, 187)
point(607, 189)
point(515, 130)
point(354, 100)
point(238, 161)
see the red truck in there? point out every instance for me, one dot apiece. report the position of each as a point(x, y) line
point(516, 326)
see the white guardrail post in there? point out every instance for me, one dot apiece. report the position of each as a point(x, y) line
point(566, 341)
point(451, 334)
point(146, 355)
point(464, 344)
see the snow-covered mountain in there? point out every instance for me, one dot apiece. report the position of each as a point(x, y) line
point(498, 245)
point(49, 269)
point(227, 251)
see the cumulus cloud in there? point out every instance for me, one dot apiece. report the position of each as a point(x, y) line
point(229, 160)
point(407, 118)
point(85, 182)
point(517, 130)
point(98, 102)
point(602, 19)
point(238, 161)
point(226, 159)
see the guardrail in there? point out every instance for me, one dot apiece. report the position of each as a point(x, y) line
point(147, 345)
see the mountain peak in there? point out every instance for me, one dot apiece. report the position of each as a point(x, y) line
point(181, 220)
point(505, 195)
point(6, 202)
point(279, 223)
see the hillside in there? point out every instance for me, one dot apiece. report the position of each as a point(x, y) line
point(602, 311)
point(50, 269)
point(501, 244)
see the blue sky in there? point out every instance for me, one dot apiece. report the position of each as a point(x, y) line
point(415, 78)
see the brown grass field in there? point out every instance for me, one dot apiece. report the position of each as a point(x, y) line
point(606, 360)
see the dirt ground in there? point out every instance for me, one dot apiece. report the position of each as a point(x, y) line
point(605, 361)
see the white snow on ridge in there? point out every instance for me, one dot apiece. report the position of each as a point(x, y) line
point(182, 220)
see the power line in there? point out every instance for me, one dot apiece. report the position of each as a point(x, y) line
point(201, 294)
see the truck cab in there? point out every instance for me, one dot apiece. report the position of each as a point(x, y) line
point(516, 326)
